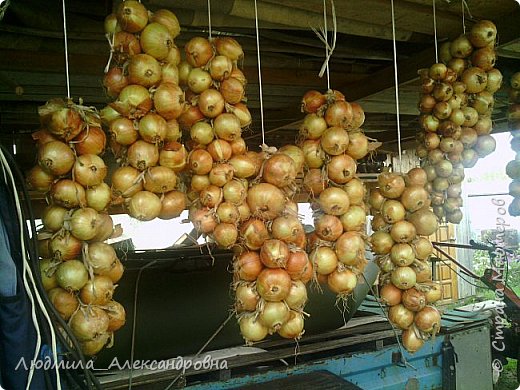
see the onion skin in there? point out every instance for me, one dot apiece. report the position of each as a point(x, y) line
point(254, 233)
point(428, 320)
point(324, 259)
point(403, 278)
point(401, 316)
point(425, 222)
point(65, 302)
point(411, 341)
point(56, 158)
point(246, 297)
point(71, 275)
point(144, 206)
point(342, 282)
point(266, 201)
point(391, 185)
point(273, 284)
point(39, 180)
point(251, 329)
point(390, 295)
point(414, 300)
point(90, 141)
point(97, 291)
point(293, 327)
point(248, 266)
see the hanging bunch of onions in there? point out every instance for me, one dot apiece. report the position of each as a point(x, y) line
point(143, 78)
point(513, 167)
point(332, 142)
point(402, 248)
point(456, 106)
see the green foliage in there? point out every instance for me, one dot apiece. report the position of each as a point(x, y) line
point(481, 261)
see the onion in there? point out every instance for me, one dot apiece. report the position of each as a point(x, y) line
point(156, 40)
point(274, 315)
point(39, 180)
point(313, 126)
point(111, 26)
point(200, 162)
point(246, 297)
point(229, 47)
point(312, 101)
point(444, 52)
point(328, 227)
point(97, 291)
point(219, 150)
point(455, 216)
point(221, 174)
point(403, 231)
point(88, 324)
point(159, 179)
point(234, 192)
point(133, 101)
point(125, 45)
point(71, 275)
point(414, 197)
point(84, 223)
point(428, 320)
point(279, 170)
point(101, 257)
point(211, 196)
point(378, 222)
point(254, 233)
point(475, 80)
point(443, 168)
point(225, 235)
point(515, 81)
point(376, 199)
point(132, 16)
point(293, 327)
point(143, 69)
point(126, 181)
point(123, 131)
point(266, 201)
point(381, 242)
point(429, 123)
point(484, 58)
point(414, 300)
point(342, 282)
point(423, 271)
point(435, 156)
point(173, 155)
point(43, 248)
point(433, 291)
point(385, 264)
point(485, 145)
point(437, 71)
point(427, 86)
point(425, 222)
point(173, 204)
point(358, 116)
point(297, 265)
point(442, 110)
point(403, 278)
point(350, 248)
point(251, 329)
point(461, 47)
point(513, 169)
point(358, 146)
point(56, 158)
point(232, 90)
point(341, 169)
point(354, 219)
point(402, 255)
point(68, 193)
point(483, 126)
point(356, 191)
point(296, 154)
point(48, 274)
point(416, 177)
point(423, 248)
point(334, 201)
point(65, 302)
point(400, 316)
point(227, 127)
point(211, 103)
point(287, 228)
point(220, 67)
point(314, 155)
point(105, 227)
point(53, 217)
point(227, 212)
point(116, 315)
point(198, 51)
point(391, 185)
point(248, 266)
point(468, 137)
point(199, 80)
point(89, 170)
point(393, 211)
point(324, 259)
point(483, 33)
point(273, 284)
point(65, 123)
point(390, 295)
point(238, 146)
point(442, 92)
point(339, 114)
point(169, 101)
point(313, 182)
point(170, 71)
point(334, 141)
point(144, 206)
point(411, 340)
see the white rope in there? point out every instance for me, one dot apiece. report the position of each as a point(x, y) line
point(326, 35)
point(259, 74)
point(323, 36)
point(396, 91)
point(66, 48)
point(463, 21)
point(209, 18)
point(435, 33)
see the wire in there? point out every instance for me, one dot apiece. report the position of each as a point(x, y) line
point(134, 318)
point(209, 18)
point(435, 33)
point(325, 34)
point(66, 48)
point(396, 91)
point(259, 74)
point(463, 21)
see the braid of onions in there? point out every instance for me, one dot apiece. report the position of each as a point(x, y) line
point(402, 222)
point(78, 269)
point(332, 140)
point(142, 121)
point(456, 106)
point(513, 167)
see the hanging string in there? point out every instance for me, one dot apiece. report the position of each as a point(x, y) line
point(66, 49)
point(463, 21)
point(209, 18)
point(259, 74)
point(323, 36)
point(396, 91)
point(326, 35)
point(435, 33)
